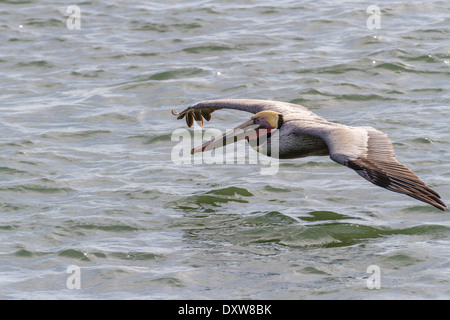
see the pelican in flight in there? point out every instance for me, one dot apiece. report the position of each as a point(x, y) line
point(302, 133)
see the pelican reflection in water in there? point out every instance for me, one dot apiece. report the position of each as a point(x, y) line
point(302, 133)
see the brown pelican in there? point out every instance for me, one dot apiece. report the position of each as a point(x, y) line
point(302, 133)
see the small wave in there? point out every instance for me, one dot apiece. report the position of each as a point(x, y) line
point(75, 254)
point(23, 253)
point(9, 227)
point(326, 235)
point(275, 189)
point(88, 74)
point(39, 64)
point(43, 23)
point(162, 28)
point(149, 140)
point(177, 74)
point(169, 281)
point(112, 117)
point(135, 256)
point(363, 97)
point(336, 69)
point(208, 49)
point(12, 171)
point(75, 135)
point(421, 58)
point(213, 198)
point(84, 255)
point(39, 189)
point(20, 144)
point(324, 215)
point(231, 191)
point(105, 227)
point(206, 200)
point(272, 218)
point(422, 140)
point(399, 67)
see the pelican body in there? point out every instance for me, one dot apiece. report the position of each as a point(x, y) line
point(302, 133)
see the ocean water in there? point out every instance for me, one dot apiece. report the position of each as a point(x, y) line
point(94, 207)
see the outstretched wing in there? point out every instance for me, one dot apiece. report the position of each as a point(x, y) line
point(204, 109)
point(364, 149)
point(370, 153)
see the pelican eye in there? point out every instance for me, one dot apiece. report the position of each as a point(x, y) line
point(280, 121)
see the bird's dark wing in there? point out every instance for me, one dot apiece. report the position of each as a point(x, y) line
point(364, 149)
point(370, 153)
point(204, 109)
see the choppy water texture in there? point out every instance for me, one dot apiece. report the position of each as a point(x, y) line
point(87, 177)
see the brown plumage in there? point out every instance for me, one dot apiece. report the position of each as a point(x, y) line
point(302, 133)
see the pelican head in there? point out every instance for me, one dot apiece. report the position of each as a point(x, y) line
point(260, 124)
point(269, 119)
